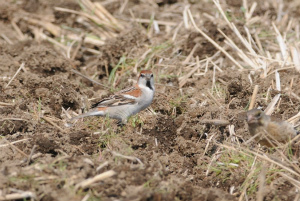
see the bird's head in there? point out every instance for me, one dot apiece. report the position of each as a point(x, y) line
point(256, 116)
point(146, 79)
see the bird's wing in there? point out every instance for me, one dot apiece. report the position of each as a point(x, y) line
point(127, 90)
point(124, 97)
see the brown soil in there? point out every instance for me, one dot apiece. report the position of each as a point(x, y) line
point(172, 144)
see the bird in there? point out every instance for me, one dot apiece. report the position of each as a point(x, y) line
point(126, 102)
point(275, 130)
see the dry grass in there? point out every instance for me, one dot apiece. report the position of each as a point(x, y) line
point(243, 48)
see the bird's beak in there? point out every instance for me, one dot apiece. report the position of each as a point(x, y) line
point(251, 119)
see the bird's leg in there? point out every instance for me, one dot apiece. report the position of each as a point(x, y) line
point(121, 123)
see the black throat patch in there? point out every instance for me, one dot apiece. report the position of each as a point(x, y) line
point(148, 84)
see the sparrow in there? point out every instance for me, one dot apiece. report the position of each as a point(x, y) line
point(126, 102)
point(276, 131)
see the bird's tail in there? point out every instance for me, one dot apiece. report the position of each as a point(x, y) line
point(90, 113)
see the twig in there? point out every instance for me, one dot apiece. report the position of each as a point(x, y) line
point(52, 28)
point(66, 113)
point(297, 116)
point(69, 49)
point(93, 17)
point(16, 148)
point(45, 178)
point(61, 158)
point(102, 166)
point(108, 15)
point(78, 47)
point(233, 136)
point(188, 58)
point(262, 179)
point(290, 179)
point(213, 42)
point(21, 67)
point(183, 79)
point(5, 145)
point(18, 196)
point(6, 104)
point(281, 42)
point(269, 110)
point(51, 40)
point(139, 20)
point(214, 99)
point(31, 153)
point(252, 138)
point(217, 3)
point(185, 17)
point(141, 59)
point(132, 158)
point(257, 40)
point(122, 8)
point(240, 52)
point(207, 145)
point(293, 140)
point(86, 197)
point(53, 124)
point(13, 119)
point(296, 58)
point(6, 39)
point(216, 122)
point(92, 51)
point(213, 159)
point(86, 183)
point(277, 79)
point(295, 96)
point(176, 31)
point(18, 30)
point(280, 69)
point(93, 81)
point(253, 98)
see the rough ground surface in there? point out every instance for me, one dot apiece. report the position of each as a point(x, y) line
point(175, 146)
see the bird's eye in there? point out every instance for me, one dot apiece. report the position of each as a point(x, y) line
point(258, 114)
point(142, 75)
point(151, 75)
